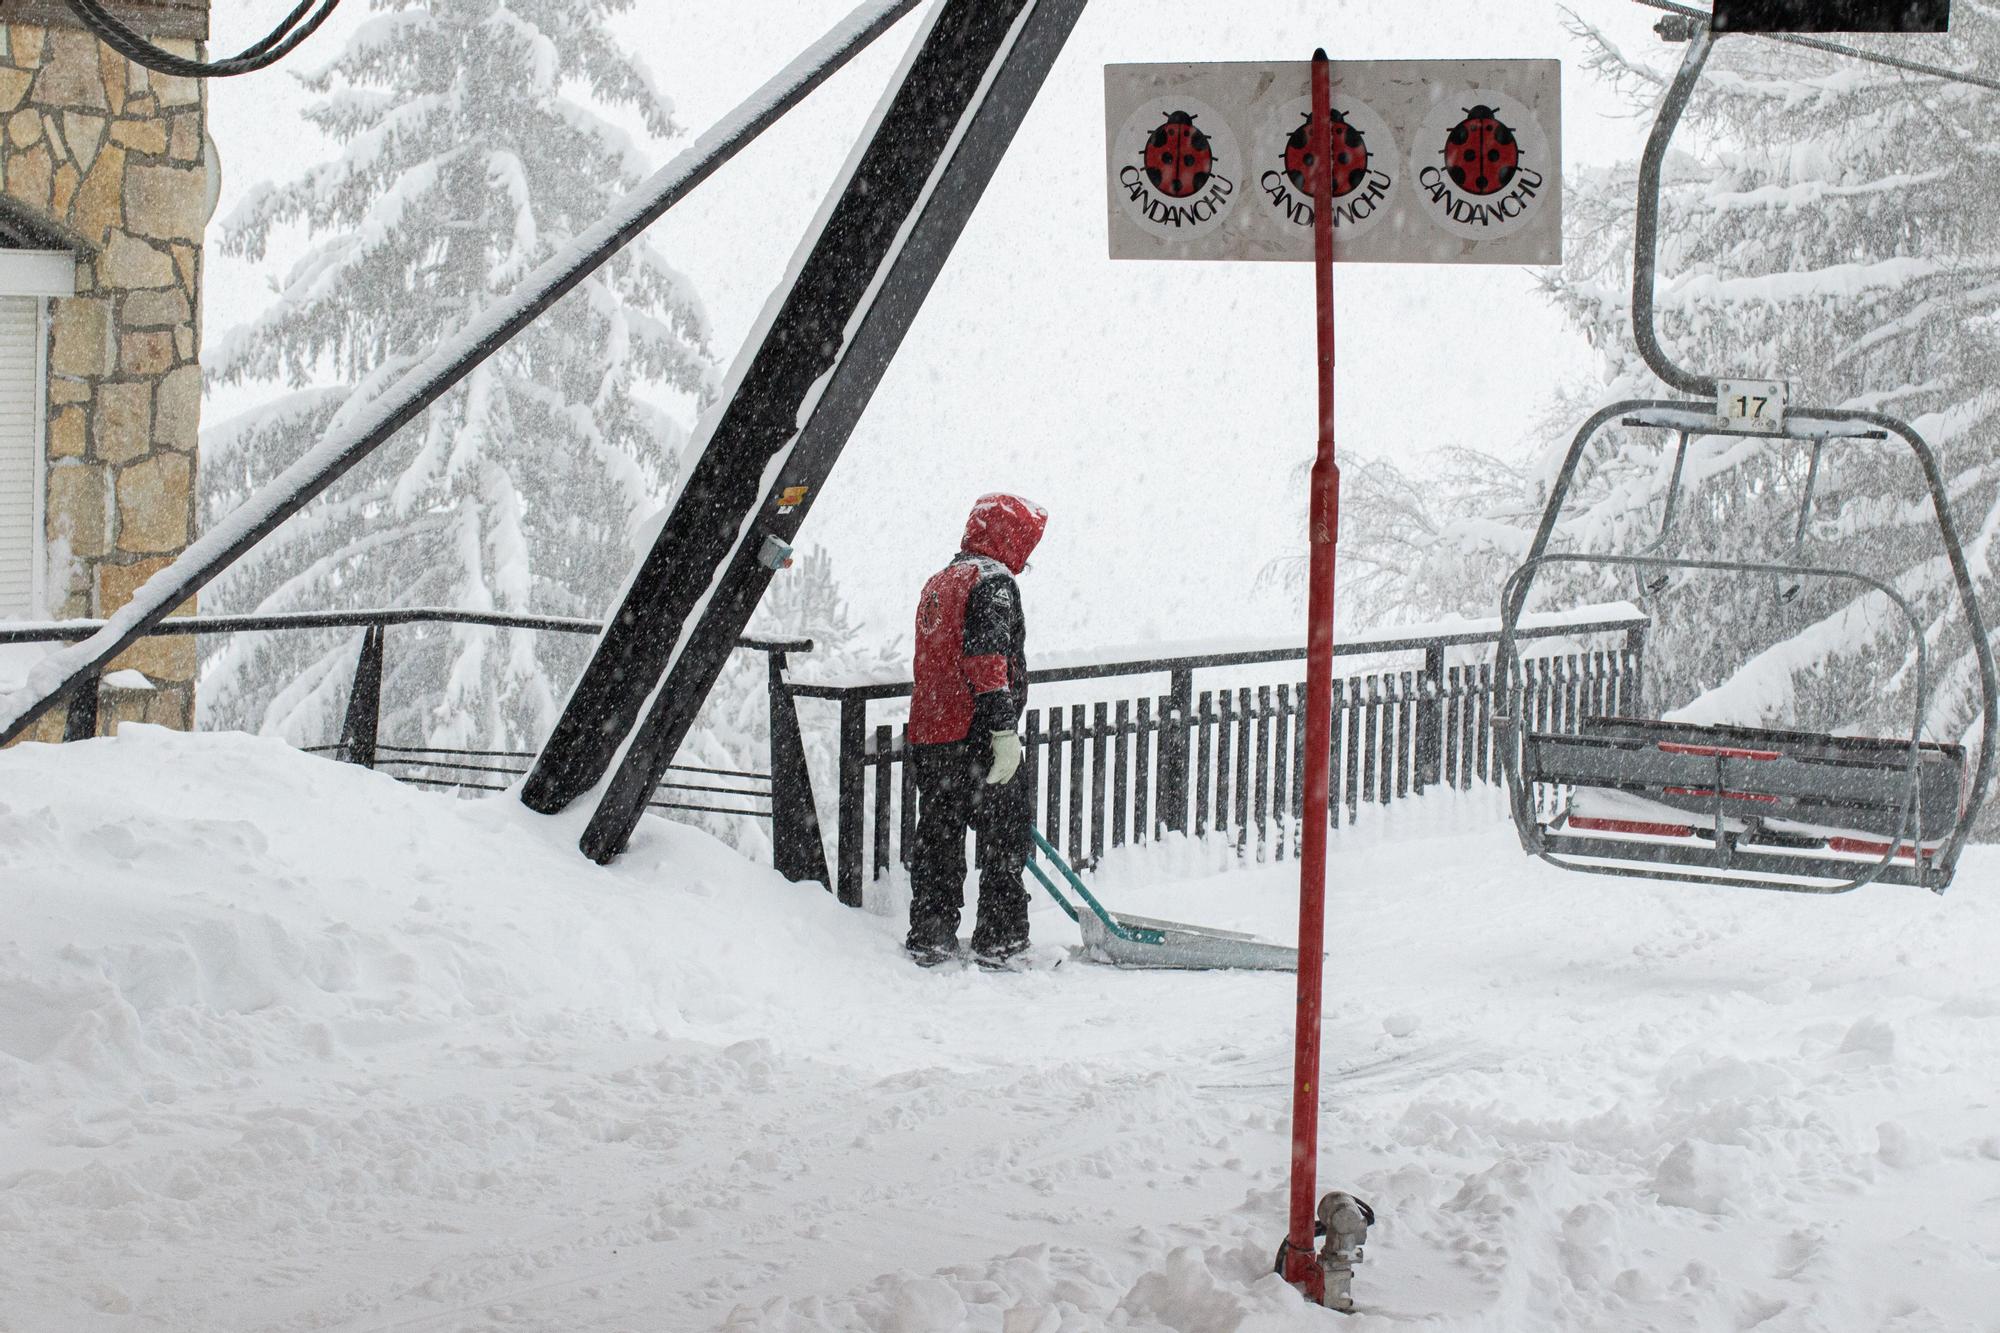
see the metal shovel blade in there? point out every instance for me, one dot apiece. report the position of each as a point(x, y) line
point(1187, 948)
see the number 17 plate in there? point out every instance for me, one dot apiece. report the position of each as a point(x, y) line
point(1752, 405)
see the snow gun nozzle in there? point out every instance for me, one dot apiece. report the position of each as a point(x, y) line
point(1676, 28)
point(1344, 1220)
point(1341, 1227)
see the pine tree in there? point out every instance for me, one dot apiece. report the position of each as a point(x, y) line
point(1413, 547)
point(468, 156)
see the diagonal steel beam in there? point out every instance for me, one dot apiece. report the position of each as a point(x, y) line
point(865, 271)
point(56, 675)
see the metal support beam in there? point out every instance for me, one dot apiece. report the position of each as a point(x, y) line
point(908, 194)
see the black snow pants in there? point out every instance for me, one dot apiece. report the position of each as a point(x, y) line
point(953, 795)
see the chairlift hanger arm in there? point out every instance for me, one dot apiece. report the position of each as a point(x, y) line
point(1646, 228)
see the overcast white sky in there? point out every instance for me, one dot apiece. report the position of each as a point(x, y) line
point(1038, 364)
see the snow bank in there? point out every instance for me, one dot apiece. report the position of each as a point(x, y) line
point(285, 1045)
point(210, 905)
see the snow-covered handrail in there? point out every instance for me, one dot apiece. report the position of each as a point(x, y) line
point(1151, 658)
point(54, 676)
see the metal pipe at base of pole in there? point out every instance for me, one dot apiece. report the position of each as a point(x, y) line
point(1300, 1265)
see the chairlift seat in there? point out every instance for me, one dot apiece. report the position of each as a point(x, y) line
point(1745, 802)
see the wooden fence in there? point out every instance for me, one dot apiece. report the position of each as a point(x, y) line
point(1228, 761)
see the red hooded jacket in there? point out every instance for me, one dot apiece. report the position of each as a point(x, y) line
point(971, 653)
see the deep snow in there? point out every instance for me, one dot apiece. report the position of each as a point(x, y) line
point(284, 1045)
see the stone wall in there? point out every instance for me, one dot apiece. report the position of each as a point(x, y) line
point(116, 154)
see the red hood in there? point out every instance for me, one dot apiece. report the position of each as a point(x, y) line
point(1006, 528)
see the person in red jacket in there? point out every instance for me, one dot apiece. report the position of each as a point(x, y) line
point(971, 678)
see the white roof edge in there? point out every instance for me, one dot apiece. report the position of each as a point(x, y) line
point(37, 273)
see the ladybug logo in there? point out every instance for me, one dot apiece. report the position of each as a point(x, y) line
point(1179, 158)
point(1350, 157)
point(1363, 162)
point(1172, 167)
point(1483, 167)
point(1482, 154)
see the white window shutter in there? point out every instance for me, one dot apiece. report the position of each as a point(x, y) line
point(20, 452)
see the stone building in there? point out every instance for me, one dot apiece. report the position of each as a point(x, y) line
point(107, 181)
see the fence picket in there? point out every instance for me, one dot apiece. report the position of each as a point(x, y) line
point(1225, 738)
point(908, 830)
point(1078, 730)
point(1121, 772)
point(1205, 721)
point(1141, 769)
point(1354, 738)
point(1031, 760)
point(1099, 740)
point(1052, 811)
point(884, 752)
point(1243, 725)
point(1406, 705)
point(1452, 777)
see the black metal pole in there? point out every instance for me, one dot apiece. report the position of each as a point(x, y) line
point(359, 733)
point(796, 847)
point(853, 760)
point(455, 358)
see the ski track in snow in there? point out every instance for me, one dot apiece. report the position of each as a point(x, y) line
point(287, 1046)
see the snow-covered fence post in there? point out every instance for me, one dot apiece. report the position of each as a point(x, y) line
point(853, 758)
point(358, 733)
point(80, 723)
point(796, 848)
point(1634, 685)
point(1430, 719)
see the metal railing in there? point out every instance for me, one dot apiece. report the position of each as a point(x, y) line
point(1225, 761)
point(1230, 760)
point(783, 796)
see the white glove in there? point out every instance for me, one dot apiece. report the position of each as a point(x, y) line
point(1006, 757)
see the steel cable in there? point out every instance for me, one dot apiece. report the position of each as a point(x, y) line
point(280, 42)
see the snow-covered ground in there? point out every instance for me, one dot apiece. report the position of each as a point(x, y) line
point(284, 1045)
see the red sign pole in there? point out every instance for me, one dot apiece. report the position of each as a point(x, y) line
point(1301, 1263)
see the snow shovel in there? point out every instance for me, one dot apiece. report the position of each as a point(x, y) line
point(1137, 941)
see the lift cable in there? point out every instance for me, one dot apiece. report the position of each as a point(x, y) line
point(281, 42)
point(1819, 44)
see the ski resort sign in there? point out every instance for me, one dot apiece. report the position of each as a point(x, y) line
point(1435, 161)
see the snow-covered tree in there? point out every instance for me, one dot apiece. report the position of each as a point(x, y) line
point(1417, 546)
point(474, 142)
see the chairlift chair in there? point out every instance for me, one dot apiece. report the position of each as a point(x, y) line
point(1739, 805)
